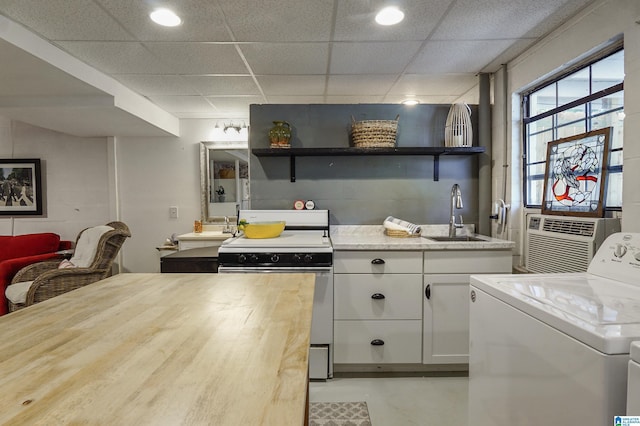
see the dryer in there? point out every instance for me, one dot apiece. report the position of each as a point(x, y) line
point(554, 348)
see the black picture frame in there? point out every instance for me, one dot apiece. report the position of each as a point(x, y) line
point(20, 187)
point(575, 175)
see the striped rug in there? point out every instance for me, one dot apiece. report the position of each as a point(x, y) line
point(339, 414)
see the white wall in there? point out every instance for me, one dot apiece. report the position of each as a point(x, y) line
point(154, 174)
point(591, 29)
point(75, 179)
point(80, 175)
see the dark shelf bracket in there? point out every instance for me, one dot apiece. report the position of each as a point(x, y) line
point(436, 168)
point(292, 168)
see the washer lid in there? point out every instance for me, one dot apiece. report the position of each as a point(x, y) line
point(602, 313)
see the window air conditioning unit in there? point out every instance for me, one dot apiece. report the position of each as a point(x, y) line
point(564, 243)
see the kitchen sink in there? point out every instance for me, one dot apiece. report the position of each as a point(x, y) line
point(462, 238)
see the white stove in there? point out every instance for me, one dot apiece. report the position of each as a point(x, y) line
point(304, 246)
point(554, 348)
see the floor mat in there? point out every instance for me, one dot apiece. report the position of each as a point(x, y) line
point(339, 414)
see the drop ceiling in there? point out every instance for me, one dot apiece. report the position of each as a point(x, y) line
point(102, 67)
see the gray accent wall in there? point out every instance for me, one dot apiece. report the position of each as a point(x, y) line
point(362, 190)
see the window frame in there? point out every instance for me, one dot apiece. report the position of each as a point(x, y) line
point(584, 101)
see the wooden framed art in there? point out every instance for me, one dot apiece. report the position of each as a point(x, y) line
point(20, 187)
point(574, 179)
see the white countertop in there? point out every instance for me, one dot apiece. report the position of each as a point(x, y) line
point(204, 235)
point(372, 237)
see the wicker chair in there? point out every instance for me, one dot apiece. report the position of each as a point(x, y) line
point(50, 281)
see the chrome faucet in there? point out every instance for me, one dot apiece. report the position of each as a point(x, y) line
point(456, 203)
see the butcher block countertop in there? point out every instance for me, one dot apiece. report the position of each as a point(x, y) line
point(161, 349)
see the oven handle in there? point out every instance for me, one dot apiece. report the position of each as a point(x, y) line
point(285, 270)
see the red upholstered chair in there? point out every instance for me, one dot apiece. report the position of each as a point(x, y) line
point(18, 251)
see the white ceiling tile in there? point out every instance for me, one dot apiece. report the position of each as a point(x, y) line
point(322, 51)
point(183, 104)
point(424, 99)
point(279, 20)
point(235, 105)
point(201, 20)
point(150, 85)
point(296, 99)
point(367, 84)
point(498, 19)
point(208, 85)
point(360, 99)
point(116, 57)
point(65, 19)
point(456, 57)
point(355, 20)
point(198, 58)
point(295, 58)
point(372, 58)
point(313, 85)
point(433, 84)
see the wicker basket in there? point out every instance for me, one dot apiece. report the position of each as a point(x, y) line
point(399, 234)
point(374, 133)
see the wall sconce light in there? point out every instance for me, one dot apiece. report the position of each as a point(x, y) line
point(230, 132)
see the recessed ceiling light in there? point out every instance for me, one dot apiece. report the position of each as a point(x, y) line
point(410, 102)
point(389, 16)
point(165, 17)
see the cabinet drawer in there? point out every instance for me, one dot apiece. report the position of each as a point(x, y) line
point(377, 262)
point(353, 342)
point(397, 296)
point(467, 261)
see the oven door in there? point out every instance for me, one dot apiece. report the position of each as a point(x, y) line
point(321, 353)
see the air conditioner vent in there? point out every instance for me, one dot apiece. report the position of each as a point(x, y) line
point(570, 227)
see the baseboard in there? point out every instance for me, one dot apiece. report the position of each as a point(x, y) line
point(400, 370)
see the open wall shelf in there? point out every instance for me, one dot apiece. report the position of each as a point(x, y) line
point(435, 152)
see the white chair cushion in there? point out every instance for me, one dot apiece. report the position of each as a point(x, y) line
point(87, 245)
point(17, 293)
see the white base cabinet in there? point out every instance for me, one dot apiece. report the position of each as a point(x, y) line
point(377, 307)
point(445, 337)
point(407, 307)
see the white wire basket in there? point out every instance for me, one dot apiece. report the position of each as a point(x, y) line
point(458, 130)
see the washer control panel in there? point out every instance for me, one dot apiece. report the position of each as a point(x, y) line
point(618, 258)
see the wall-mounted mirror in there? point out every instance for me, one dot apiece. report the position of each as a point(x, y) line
point(224, 179)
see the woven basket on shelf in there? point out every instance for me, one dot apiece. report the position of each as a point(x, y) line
point(374, 133)
point(399, 234)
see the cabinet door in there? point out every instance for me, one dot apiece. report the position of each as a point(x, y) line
point(446, 319)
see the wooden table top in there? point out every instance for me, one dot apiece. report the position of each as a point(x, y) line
point(161, 349)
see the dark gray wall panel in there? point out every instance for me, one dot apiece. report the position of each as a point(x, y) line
point(361, 189)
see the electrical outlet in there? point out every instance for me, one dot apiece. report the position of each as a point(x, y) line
point(173, 212)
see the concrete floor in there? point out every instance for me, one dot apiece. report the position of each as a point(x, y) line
point(401, 401)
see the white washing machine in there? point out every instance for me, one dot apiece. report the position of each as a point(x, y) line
point(554, 348)
point(633, 381)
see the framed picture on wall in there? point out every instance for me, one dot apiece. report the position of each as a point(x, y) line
point(574, 181)
point(20, 187)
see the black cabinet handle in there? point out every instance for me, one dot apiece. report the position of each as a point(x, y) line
point(377, 296)
point(377, 342)
point(377, 262)
point(427, 291)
